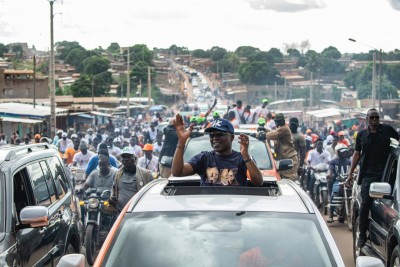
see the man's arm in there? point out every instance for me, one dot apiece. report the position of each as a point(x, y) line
point(179, 168)
point(354, 163)
point(254, 172)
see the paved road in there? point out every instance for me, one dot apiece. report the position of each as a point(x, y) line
point(344, 241)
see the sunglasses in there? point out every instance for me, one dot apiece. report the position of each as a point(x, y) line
point(218, 134)
point(374, 117)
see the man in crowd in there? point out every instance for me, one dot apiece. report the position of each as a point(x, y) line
point(103, 177)
point(283, 146)
point(89, 135)
point(261, 111)
point(133, 142)
point(371, 151)
point(82, 158)
point(238, 110)
point(222, 165)
point(148, 161)
point(299, 143)
point(63, 143)
point(151, 135)
point(129, 179)
point(94, 161)
point(168, 149)
point(71, 151)
point(37, 138)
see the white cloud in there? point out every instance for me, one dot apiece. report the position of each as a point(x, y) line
point(395, 4)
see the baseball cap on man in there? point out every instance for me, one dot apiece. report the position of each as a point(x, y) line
point(64, 134)
point(128, 150)
point(265, 100)
point(221, 125)
point(148, 147)
point(279, 116)
point(37, 136)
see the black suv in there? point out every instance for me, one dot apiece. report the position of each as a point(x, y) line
point(384, 221)
point(39, 213)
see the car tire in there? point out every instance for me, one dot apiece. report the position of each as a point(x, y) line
point(356, 233)
point(395, 257)
point(90, 243)
point(325, 202)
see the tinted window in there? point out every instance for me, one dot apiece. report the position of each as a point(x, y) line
point(256, 148)
point(219, 239)
point(58, 175)
point(39, 184)
point(49, 181)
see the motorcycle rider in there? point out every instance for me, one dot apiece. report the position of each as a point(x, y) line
point(339, 165)
point(315, 157)
point(103, 177)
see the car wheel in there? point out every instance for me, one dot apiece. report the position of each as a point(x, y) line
point(90, 243)
point(395, 258)
point(356, 235)
point(325, 202)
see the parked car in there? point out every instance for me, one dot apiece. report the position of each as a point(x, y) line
point(177, 222)
point(383, 233)
point(39, 212)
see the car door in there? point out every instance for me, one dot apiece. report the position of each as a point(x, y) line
point(384, 212)
point(34, 244)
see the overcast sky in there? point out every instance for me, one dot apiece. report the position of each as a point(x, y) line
point(205, 23)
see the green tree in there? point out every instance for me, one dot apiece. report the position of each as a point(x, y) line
point(257, 72)
point(262, 57)
point(114, 48)
point(331, 52)
point(140, 52)
point(82, 87)
point(294, 53)
point(276, 55)
point(246, 51)
point(19, 52)
point(95, 64)
point(229, 63)
point(200, 53)
point(393, 74)
point(3, 49)
point(64, 47)
point(217, 53)
point(336, 93)
point(76, 57)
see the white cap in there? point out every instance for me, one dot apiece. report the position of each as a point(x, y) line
point(90, 130)
point(59, 131)
point(117, 139)
point(116, 130)
point(128, 150)
point(64, 135)
point(74, 136)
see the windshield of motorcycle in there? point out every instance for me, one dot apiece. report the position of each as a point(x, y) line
point(257, 149)
point(219, 239)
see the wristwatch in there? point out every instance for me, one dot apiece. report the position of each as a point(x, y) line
point(247, 160)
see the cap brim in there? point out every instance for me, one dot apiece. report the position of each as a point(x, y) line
point(211, 129)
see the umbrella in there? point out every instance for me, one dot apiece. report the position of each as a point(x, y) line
point(157, 108)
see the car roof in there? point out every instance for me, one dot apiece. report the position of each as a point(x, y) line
point(192, 197)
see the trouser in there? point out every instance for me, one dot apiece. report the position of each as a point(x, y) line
point(366, 204)
point(335, 188)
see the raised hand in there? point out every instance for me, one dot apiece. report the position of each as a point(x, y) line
point(182, 133)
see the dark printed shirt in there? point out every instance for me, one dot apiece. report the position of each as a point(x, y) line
point(219, 170)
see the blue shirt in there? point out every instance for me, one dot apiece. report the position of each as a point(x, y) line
point(94, 162)
point(219, 170)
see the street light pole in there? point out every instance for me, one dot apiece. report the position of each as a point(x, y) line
point(380, 83)
point(92, 93)
point(51, 76)
point(128, 87)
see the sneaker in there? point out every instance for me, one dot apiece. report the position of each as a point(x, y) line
point(330, 220)
point(361, 242)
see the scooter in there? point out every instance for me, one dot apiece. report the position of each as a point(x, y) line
point(341, 199)
point(320, 188)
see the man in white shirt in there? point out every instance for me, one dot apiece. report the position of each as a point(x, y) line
point(315, 157)
point(238, 111)
point(148, 161)
point(261, 111)
point(63, 143)
point(90, 135)
point(81, 159)
point(133, 143)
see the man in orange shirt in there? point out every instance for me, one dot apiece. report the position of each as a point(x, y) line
point(71, 151)
point(343, 140)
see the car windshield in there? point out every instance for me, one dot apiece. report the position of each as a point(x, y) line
point(256, 148)
point(219, 239)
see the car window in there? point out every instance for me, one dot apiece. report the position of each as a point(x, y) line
point(219, 239)
point(39, 184)
point(58, 175)
point(49, 181)
point(256, 148)
point(2, 202)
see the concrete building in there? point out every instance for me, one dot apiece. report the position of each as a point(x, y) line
point(19, 84)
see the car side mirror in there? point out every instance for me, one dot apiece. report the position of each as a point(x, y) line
point(366, 261)
point(35, 216)
point(380, 190)
point(284, 164)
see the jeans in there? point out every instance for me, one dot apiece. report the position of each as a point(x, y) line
point(366, 204)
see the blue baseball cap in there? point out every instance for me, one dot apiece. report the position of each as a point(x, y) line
point(220, 125)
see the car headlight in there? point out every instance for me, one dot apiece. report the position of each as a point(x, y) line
point(93, 203)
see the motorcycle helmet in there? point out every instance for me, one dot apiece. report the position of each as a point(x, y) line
point(341, 150)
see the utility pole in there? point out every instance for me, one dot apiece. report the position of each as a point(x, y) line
point(128, 86)
point(373, 79)
point(284, 88)
point(149, 85)
point(92, 93)
point(34, 81)
point(52, 74)
point(380, 84)
point(276, 92)
point(311, 90)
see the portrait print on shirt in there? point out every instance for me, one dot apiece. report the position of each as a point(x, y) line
point(221, 177)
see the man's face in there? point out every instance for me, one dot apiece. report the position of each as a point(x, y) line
point(221, 141)
point(128, 160)
point(84, 151)
point(133, 141)
point(373, 118)
point(319, 146)
point(90, 132)
point(104, 165)
point(76, 144)
point(264, 104)
point(148, 153)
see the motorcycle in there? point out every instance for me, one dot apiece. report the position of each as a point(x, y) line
point(341, 199)
point(320, 187)
point(99, 219)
